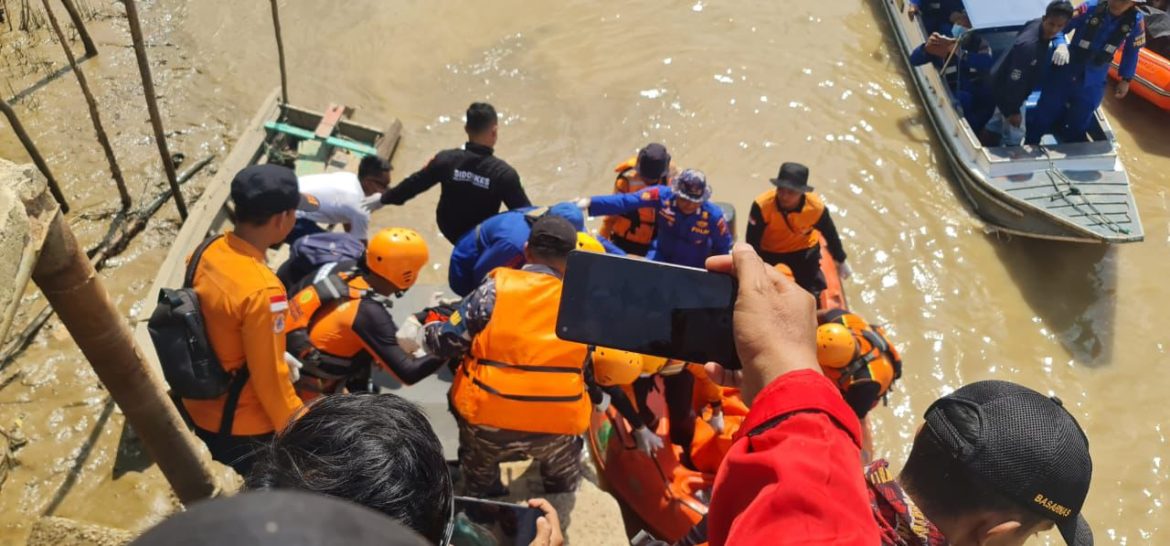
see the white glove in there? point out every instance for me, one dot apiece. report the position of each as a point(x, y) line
point(1060, 57)
point(372, 203)
point(294, 367)
point(844, 271)
point(716, 420)
point(583, 203)
point(408, 334)
point(604, 403)
point(647, 442)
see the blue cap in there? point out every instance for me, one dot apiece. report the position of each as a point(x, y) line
point(691, 185)
point(570, 212)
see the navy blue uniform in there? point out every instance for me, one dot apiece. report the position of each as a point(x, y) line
point(1021, 71)
point(936, 14)
point(1070, 97)
point(966, 75)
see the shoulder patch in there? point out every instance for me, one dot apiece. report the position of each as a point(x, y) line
point(278, 304)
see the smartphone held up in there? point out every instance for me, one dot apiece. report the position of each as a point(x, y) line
point(649, 308)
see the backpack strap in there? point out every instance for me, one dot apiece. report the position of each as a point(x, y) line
point(189, 277)
point(233, 401)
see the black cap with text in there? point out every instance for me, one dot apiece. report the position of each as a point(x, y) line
point(1025, 445)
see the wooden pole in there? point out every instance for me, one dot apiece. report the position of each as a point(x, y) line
point(152, 104)
point(94, 115)
point(33, 153)
point(79, 24)
point(280, 52)
point(73, 288)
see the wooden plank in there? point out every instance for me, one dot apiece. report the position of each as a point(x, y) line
point(387, 144)
point(329, 121)
point(305, 134)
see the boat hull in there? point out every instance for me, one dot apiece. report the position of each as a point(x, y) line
point(1152, 80)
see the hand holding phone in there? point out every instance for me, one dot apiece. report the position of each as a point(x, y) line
point(775, 322)
point(648, 308)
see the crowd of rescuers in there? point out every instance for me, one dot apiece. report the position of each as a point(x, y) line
point(993, 92)
point(994, 462)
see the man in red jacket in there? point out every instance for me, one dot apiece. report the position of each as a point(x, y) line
point(994, 463)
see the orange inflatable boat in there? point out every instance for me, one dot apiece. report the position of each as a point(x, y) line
point(1152, 81)
point(667, 497)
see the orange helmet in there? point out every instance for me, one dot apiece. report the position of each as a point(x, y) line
point(612, 367)
point(786, 271)
point(835, 345)
point(397, 255)
point(589, 243)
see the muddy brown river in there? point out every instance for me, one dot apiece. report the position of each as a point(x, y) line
point(732, 88)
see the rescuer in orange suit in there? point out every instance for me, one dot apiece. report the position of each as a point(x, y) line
point(244, 308)
point(520, 391)
point(633, 231)
point(342, 322)
point(786, 224)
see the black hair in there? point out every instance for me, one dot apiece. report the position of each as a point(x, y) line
point(481, 116)
point(376, 450)
point(944, 488)
point(255, 216)
point(1059, 8)
point(372, 164)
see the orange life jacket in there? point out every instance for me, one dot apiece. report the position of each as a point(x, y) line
point(635, 229)
point(519, 375)
point(322, 335)
point(786, 232)
point(875, 359)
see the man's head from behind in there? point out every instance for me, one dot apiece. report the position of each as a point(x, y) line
point(997, 462)
point(266, 198)
point(375, 450)
point(1057, 15)
point(483, 124)
point(550, 241)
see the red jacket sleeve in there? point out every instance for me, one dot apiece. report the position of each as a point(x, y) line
point(794, 474)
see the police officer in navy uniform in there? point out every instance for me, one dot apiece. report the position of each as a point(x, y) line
point(1070, 97)
point(475, 181)
point(1022, 70)
point(965, 62)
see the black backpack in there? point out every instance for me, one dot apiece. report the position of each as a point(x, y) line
point(180, 339)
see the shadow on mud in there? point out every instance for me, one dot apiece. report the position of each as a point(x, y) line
point(1071, 287)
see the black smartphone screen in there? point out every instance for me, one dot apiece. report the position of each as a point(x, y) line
point(487, 523)
point(649, 308)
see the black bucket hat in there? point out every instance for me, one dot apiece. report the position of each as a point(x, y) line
point(793, 176)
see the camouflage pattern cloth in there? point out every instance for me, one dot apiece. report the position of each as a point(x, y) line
point(900, 520)
point(452, 339)
point(482, 449)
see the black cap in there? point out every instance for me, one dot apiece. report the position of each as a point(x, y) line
point(553, 235)
point(653, 162)
point(793, 176)
point(278, 518)
point(264, 190)
point(1024, 445)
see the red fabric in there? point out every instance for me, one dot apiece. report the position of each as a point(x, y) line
point(900, 520)
point(800, 481)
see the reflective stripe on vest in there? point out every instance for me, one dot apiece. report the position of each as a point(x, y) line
point(518, 375)
point(1088, 34)
point(789, 231)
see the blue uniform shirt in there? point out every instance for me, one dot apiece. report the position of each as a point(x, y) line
point(499, 242)
point(682, 239)
point(1022, 69)
point(1132, 44)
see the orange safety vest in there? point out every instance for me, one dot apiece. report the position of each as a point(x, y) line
point(874, 360)
point(637, 227)
point(518, 375)
point(786, 232)
point(322, 333)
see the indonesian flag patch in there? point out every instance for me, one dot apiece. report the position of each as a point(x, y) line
point(278, 304)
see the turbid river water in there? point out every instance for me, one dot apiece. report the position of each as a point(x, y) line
point(733, 88)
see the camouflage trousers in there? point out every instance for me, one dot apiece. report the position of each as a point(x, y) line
point(482, 449)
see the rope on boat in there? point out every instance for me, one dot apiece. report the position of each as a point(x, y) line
point(1094, 213)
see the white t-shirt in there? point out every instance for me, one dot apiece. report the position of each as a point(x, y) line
point(340, 195)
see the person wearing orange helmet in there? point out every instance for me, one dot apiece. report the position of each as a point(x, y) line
point(341, 323)
point(858, 357)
